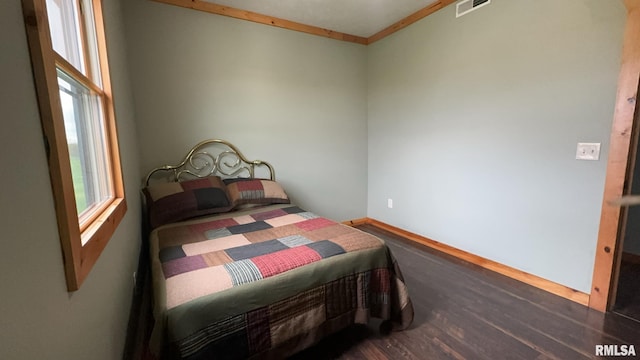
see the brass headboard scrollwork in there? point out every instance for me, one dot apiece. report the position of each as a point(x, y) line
point(199, 163)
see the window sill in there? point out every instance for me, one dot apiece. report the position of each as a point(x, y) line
point(96, 235)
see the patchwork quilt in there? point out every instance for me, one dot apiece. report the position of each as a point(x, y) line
point(267, 282)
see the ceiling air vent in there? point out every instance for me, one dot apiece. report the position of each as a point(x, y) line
point(467, 6)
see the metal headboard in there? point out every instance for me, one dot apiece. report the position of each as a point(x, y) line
point(228, 162)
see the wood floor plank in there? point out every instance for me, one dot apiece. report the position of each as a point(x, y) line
point(565, 331)
point(611, 326)
point(457, 317)
point(455, 295)
point(554, 326)
point(487, 342)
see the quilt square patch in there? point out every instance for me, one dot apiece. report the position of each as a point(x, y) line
point(293, 210)
point(194, 284)
point(250, 185)
point(281, 261)
point(242, 272)
point(268, 214)
point(307, 215)
point(171, 253)
point(210, 198)
point(245, 219)
point(176, 236)
point(342, 296)
point(217, 233)
point(260, 236)
point(258, 330)
point(257, 249)
point(217, 258)
point(227, 334)
point(254, 226)
point(196, 184)
point(294, 240)
point(314, 224)
point(183, 265)
point(212, 225)
point(326, 248)
point(285, 220)
point(218, 244)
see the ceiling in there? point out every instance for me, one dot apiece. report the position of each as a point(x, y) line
point(362, 18)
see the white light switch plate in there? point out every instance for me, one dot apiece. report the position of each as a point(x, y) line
point(588, 151)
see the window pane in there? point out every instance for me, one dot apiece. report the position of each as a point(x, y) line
point(84, 126)
point(92, 43)
point(64, 24)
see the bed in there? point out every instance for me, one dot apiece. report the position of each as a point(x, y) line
point(238, 271)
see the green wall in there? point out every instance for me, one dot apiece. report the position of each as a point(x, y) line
point(293, 99)
point(40, 319)
point(475, 121)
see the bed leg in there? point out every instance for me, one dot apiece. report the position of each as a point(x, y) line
point(385, 327)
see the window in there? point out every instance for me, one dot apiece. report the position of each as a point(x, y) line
point(69, 58)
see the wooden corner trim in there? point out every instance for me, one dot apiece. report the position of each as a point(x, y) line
point(263, 19)
point(357, 222)
point(416, 16)
point(620, 165)
point(632, 4)
point(530, 279)
point(309, 29)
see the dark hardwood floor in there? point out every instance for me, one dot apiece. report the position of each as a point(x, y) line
point(463, 311)
point(628, 297)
